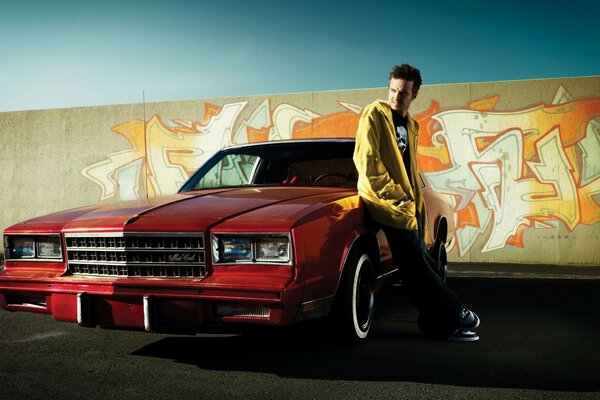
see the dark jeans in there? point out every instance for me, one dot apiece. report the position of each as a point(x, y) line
point(438, 306)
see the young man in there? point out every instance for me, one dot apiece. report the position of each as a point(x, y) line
point(389, 185)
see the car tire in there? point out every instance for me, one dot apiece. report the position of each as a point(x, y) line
point(441, 259)
point(355, 299)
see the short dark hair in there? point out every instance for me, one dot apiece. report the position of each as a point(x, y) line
point(409, 73)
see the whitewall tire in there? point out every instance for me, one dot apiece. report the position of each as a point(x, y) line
point(355, 300)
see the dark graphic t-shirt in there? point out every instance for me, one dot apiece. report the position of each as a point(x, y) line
point(400, 125)
point(401, 132)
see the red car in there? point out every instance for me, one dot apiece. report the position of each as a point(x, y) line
point(269, 233)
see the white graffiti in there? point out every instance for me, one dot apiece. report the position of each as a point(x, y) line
point(491, 176)
point(166, 154)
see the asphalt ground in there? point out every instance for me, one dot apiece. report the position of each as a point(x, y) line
point(539, 340)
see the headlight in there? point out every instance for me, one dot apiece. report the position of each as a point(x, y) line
point(32, 247)
point(261, 248)
point(273, 249)
point(236, 249)
point(21, 247)
point(48, 247)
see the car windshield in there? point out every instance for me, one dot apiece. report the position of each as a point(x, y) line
point(321, 163)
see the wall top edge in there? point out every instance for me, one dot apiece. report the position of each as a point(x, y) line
point(515, 81)
point(227, 98)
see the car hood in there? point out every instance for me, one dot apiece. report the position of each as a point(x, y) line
point(279, 207)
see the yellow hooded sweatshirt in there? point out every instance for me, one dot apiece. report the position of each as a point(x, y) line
point(382, 177)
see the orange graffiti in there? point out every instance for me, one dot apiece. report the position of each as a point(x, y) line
point(341, 124)
point(569, 122)
point(504, 171)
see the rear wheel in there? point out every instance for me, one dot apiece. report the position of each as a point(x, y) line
point(438, 251)
point(355, 300)
point(441, 259)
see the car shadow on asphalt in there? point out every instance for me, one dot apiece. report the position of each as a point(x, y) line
point(535, 334)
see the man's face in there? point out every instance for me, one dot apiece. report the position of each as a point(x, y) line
point(400, 95)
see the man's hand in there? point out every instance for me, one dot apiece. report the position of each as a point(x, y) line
point(403, 200)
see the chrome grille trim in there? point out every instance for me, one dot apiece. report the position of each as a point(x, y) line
point(137, 254)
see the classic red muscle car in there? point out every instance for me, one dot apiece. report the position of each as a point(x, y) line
point(269, 233)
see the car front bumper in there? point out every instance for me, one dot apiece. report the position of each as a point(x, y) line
point(157, 305)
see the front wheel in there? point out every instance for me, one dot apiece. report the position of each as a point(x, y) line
point(355, 300)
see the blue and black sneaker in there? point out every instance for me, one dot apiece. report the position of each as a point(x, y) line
point(467, 319)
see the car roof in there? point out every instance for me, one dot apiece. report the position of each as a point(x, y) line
point(290, 141)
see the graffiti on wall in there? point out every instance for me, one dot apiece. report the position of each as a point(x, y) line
point(504, 172)
point(509, 171)
point(167, 152)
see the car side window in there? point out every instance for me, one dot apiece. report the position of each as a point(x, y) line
point(231, 170)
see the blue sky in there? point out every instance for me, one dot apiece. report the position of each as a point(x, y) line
point(56, 54)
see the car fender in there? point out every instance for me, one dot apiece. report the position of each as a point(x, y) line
point(367, 241)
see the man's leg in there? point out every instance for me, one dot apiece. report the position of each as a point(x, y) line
point(438, 306)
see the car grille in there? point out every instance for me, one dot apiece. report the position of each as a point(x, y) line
point(161, 255)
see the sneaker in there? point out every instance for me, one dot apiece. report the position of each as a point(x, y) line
point(468, 319)
point(462, 335)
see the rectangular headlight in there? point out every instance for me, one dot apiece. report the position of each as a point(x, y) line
point(21, 247)
point(251, 248)
point(48, 247)
point(32, 247)
point(273, 249)
point(235, 249)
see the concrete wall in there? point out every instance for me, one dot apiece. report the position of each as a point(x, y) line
point(519, 160)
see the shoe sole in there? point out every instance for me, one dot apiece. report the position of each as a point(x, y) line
point(473, 337)
point(464, 339)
